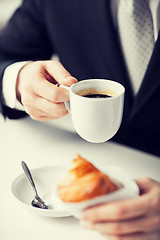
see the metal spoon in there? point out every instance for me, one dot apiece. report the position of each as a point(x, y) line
point(37, 201)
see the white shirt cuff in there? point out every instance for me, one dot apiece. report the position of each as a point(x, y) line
point(9, 85)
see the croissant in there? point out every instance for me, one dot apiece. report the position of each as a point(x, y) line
point(84, 181)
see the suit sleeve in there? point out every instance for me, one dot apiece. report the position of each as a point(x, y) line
point(24, 38)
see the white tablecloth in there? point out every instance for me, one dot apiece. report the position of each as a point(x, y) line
point(45, 144)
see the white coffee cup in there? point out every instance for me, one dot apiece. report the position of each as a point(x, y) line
point(96, 119)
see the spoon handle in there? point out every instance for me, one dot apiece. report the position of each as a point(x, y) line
point(29, 176)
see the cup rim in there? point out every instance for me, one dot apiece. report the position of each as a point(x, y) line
point(98, 99)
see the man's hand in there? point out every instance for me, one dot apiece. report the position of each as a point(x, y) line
point(37, 90)
point(133, 219)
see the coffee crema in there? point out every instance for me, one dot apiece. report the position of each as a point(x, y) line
point(93, 93)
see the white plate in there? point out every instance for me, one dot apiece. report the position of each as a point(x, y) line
point(46, 180)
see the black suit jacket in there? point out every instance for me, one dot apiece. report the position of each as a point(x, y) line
point(82, 34)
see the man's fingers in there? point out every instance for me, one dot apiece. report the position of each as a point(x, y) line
point(49, 91)
point(40, 78)
point(52, 109)
point(146, 184)
point(144, 224)
point(118, 210)
point(37, 90)
point(42, 107)
point(38, 115)
point(148, 202)
point(34, 112)
point(59, 73)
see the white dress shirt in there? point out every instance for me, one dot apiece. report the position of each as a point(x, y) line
point(11, 72)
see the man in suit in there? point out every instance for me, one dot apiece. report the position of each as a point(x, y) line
point(84, 35)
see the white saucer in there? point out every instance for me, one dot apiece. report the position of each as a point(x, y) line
point(46, 180)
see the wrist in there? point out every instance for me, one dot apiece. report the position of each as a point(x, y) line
point(9, 85)
point(19, 81)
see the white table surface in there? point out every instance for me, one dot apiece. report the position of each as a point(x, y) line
point(45, 144)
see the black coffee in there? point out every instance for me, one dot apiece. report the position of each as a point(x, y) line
point(97, 95)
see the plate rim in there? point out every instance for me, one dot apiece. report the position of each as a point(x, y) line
point(43, 212)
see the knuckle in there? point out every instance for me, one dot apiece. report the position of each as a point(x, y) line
point(37, 64)
point(54, 95)
point(119, 212)
point(153, 224)
point(63, 114)
point(53, 63)
point(156, 222)
point(155, 203)
point(61, 110)
point(27, 99)
point(30, 81)
point(29, 86)
point(116, 228)
point(147, 180)
point(96, 215)
point(31, 113)
point(34, 117)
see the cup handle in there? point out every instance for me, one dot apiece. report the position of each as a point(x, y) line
point(67, 104)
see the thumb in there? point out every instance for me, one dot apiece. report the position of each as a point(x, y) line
point(59, 73)
point(144, 184)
